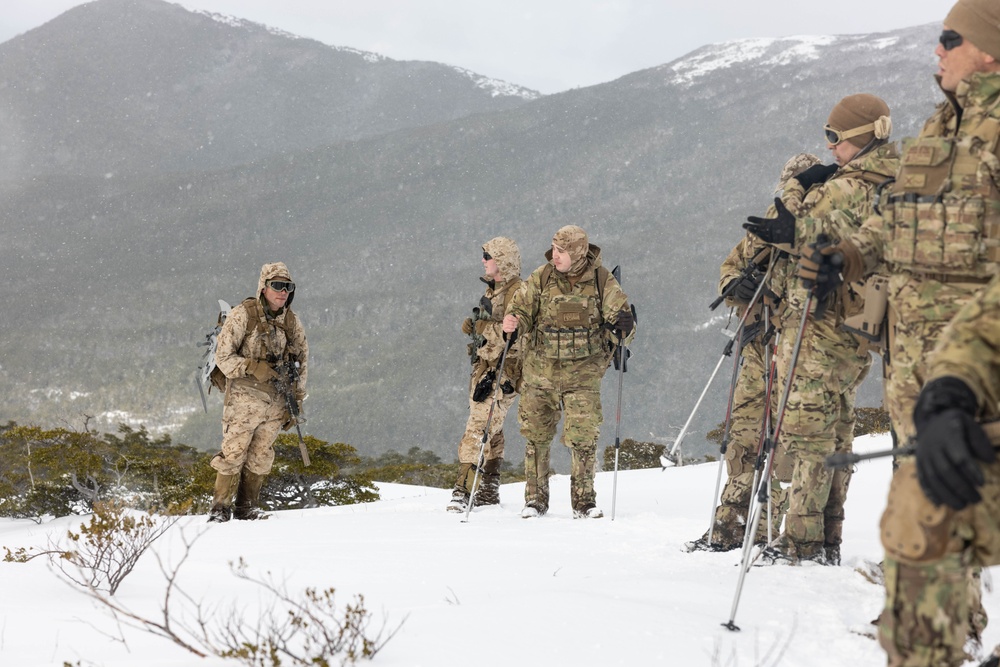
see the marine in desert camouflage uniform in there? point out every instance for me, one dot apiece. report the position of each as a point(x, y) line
point(939, 240)
point(502, 267)
point(563, 312)
point(747, 413)
point(819, 415)
point(259, 334)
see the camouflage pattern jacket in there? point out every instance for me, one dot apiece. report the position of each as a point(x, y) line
point(837, 208)
point(969, 349)
point(276, 336)
point(563, 322)
point(508, 259)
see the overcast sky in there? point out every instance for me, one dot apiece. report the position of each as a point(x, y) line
point(548, 45)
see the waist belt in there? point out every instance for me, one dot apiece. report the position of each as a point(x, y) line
point(950, 278)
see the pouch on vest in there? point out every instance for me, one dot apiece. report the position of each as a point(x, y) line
point(870, 324)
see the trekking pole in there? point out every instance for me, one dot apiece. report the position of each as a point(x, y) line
point(762, 487)
point(847, 459)
point(668, 459)
point(622, 353)
point(486, 429)
point(725, 434)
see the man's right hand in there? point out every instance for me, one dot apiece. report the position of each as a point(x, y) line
point(510, 323)
point(260, 371)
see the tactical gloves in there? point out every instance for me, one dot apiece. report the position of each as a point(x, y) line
point(820, 269)
point(743, 288)
point(950, 443)
point(773, 230)
point(467, 326)
point(260, 371)
point(816, 174)
point(625, 323)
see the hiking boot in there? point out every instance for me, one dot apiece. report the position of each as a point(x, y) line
point(241, 513)
point(459, 501)
point(702, 544)
point(832, 552)
point(247, 496)
point(533, 510)
point(488, 492)
point(810, 552)
point(220, 514)
point(588, 512)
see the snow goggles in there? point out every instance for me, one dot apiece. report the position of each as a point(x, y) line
point(950, 39)
point(836, 136)
point(281, 285)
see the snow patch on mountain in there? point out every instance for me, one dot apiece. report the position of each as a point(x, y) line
point(497, 87)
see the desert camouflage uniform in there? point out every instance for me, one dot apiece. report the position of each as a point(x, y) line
point(937, 251)
point(255, 412)
point(508, 260)
point(819, 415)
point(563, 371)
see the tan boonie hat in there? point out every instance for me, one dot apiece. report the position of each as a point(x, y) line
point(979, 22)
point(858, 112)
point(573, 240)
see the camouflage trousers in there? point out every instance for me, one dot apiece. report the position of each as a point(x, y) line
point(909, 632)
point(538, 415)
point(933, 601)
point(251, 421)
point(468, 447)
point(746, 423)
point(819, 421)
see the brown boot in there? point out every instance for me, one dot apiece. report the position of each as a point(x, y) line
point(488, 492)
point(247, 496)
point(222, 500)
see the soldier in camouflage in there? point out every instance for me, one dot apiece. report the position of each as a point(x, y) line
point(747, 413)
point(938, 237)
point(819, 416)
point(259, 334)
point(502, 268)
point(566, 312)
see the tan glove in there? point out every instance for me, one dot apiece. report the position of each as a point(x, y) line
point(260, 371)
point(467, 326)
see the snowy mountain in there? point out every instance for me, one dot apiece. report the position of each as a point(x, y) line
point(124, 268)
point(496, 591)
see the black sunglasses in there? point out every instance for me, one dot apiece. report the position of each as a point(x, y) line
point(281, 286)
point(487, 256)
point(950, 39)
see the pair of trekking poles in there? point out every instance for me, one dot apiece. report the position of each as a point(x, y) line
point(761, 485)
point(622, 355)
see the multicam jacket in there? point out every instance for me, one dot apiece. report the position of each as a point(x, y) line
point(275, 337)
point(564, 321)
point(969, 349)
point(941, 218)
point(837, 208)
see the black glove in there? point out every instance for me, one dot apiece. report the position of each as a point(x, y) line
point(773, 230)
point(624, 324)
point(484, 387)
point(751, 331)
point(820, 270)
point(743, 288)
point(950, 443)
point(818, 173)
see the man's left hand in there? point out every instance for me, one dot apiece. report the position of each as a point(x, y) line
point(777, 230)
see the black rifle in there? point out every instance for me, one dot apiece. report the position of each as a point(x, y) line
point(288, 377)
point(484, 311)
point(755, 266)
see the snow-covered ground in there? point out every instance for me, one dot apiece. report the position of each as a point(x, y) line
point(498, 590)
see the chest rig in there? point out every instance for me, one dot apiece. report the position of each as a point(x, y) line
point(570, 325)
point(943, 211)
